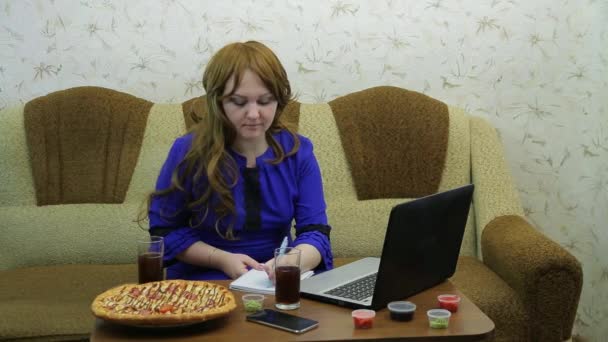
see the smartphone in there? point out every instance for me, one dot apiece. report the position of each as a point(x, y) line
point(282, 320)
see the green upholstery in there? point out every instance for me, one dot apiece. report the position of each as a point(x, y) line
point(50, 302)
point(75, 233)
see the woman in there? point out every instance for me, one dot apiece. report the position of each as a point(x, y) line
point(229, 190)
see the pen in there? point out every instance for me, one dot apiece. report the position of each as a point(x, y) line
point(283, 246)
point(281, 249)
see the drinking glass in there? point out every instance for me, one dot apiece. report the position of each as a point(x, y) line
point(287, 276)
point(150, 253)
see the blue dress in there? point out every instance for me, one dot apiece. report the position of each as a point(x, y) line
point(267, 198)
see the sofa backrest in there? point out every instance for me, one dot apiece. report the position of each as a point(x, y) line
point(416, 146)
point(394, 140)
point(359, 225)
point(105, 232)
point(92, 232)
point(84, 143)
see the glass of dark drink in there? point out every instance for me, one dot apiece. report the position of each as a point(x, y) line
point(287, 277)
point(150, 259)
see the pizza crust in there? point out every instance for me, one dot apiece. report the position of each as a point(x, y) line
point(167, 302)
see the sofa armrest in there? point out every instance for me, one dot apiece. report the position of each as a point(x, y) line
point(544, 274)
point(495, 193)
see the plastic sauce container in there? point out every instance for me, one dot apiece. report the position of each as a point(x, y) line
point(439, 318)
point(253, 302)
point(401, 310)
point(363, 318)
point(449, 302)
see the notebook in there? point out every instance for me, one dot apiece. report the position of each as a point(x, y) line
point(420, 250)
point(255, 281)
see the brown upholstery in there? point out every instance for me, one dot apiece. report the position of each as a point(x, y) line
point(494, 297)
point(291, 115)
point(196, 108)
point(72, 286)
point(530, 262)
point(84, 136)
point(395, 141)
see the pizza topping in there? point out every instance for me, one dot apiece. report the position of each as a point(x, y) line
point(134, 292)
point(166, 308)
point(167, 298)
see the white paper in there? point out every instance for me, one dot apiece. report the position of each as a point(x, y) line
point(255, 281)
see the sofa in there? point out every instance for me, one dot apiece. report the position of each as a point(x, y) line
point(76, 165)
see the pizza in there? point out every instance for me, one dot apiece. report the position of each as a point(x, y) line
point(167, 302)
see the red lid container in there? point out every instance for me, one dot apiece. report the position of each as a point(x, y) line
point(449, 302)
point(363, 318)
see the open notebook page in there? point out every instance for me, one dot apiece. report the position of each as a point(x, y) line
point(255, 281)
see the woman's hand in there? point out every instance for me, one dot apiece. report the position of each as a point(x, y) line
point(269, 268)
point(235, 265)
point(309, 259)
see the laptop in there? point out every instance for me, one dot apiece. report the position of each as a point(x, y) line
point(421, 249)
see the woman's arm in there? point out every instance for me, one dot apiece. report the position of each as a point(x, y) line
point(205, 255)
point(312, 230)
point(309, 258)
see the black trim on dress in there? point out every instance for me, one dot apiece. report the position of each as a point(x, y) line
point(160, 231)
point(323, 228)
point(253, 199)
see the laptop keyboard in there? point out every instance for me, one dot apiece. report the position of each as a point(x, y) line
point(357, 290)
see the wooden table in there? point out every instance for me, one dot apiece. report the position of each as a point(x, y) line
point(335, 324)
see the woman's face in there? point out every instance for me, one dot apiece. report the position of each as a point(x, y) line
point(251, 108)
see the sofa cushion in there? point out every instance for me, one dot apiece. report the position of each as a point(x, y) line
point(16, 183)
point(53, 303)
point(69, 234)
point(84, 136)
point(358, 227)
point(395, 141)
point(494, 297)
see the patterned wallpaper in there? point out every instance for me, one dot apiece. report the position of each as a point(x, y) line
point(536, 69)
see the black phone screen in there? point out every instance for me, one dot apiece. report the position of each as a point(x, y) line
point(282, 320)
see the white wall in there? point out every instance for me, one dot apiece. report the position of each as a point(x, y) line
point(536, 69)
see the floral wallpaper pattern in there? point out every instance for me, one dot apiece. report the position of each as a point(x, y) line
point(536, 69)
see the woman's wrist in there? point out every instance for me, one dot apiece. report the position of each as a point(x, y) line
point(310, 256)
point(216, 257)
point(213, 250)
